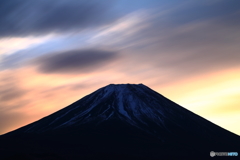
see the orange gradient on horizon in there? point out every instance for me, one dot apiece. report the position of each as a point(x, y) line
point(214, 96)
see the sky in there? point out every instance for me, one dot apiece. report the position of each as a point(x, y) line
point(54, 52)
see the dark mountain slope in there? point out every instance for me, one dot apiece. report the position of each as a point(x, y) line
point(120, 121)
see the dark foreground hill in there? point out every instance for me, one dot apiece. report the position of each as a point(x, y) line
point(124, 121)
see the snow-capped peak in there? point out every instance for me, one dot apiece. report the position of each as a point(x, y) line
point(132, 103)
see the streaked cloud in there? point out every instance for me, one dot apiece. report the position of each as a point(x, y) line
point(21, 18)
point(14, 44)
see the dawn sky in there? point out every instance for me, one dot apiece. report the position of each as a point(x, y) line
point(54, 52)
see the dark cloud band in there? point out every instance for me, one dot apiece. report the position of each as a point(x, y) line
point(20, 18)
point(74, 61)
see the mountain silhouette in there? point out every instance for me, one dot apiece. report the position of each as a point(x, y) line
point(119, 121)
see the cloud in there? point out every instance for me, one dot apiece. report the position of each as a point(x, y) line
point(9, 89)
point(20, 18)
point(17, 54)
point(74, 61)
point(185, 40)
point(202, 10)
point(182, 39)
point(8, 93)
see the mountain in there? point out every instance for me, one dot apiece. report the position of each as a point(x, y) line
point(119, 121)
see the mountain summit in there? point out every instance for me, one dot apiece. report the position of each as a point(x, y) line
point(122, 121)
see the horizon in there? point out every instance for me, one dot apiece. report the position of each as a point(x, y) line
point(109, 85)
point(54, 53)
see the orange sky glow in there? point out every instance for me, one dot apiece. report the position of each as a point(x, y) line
point(213, 96)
